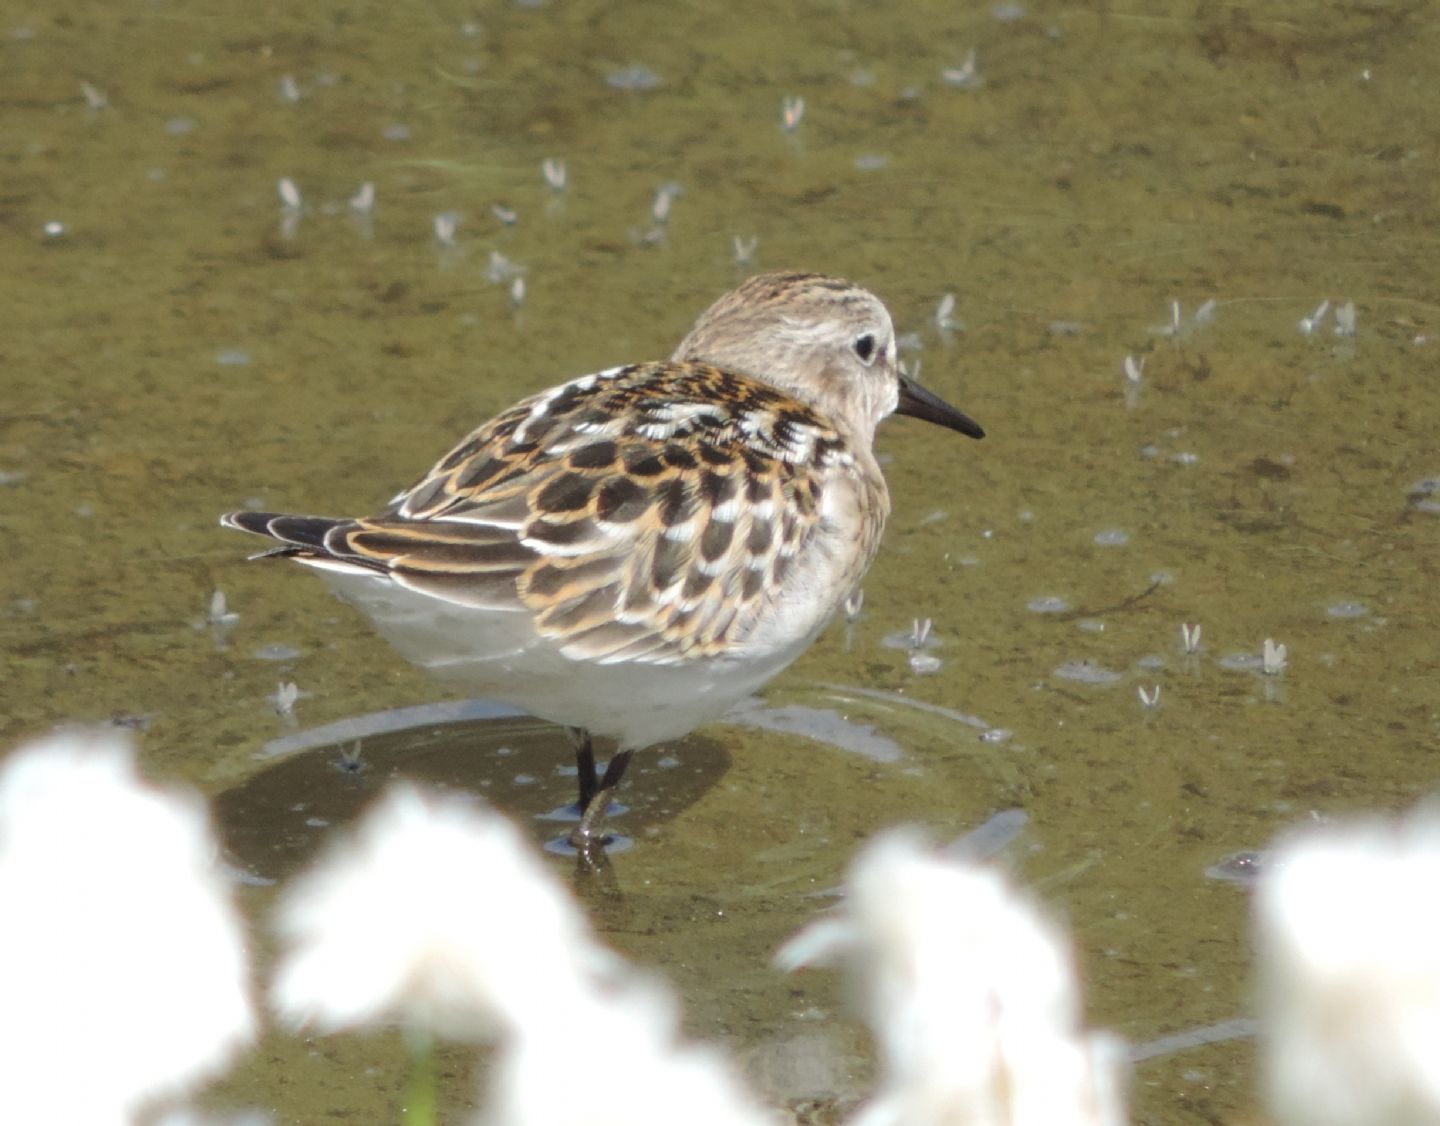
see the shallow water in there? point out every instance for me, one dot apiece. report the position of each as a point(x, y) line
point(182, 345)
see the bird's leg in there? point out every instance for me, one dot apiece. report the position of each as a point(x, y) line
point(587, 834)
point(584, 765)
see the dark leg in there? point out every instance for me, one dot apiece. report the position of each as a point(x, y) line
point(584, 765)
point(587, 834)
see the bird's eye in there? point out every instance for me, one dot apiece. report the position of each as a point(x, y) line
point(865, 347)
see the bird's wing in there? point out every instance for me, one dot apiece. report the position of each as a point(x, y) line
point(646, 513)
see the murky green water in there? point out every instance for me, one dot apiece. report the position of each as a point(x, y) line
point(173, 352)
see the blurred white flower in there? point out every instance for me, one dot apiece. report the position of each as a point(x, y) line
point(123, 969)
point(188, 1116)
point(636, 1073)
point(971, 995)
point(1348, 924)
point(433, 913)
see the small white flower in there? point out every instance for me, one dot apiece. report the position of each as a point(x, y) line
point(1190, 637)
point(1174, 327)
point(945, 312)
point(95, 98)
point(923, 664)
point(1134, 369)
point(1149, 698)
point(498, 268)
point(219, 613)
point(445, 225)
point(642, 1075)
point(289, 194)
point(188, 1116)
point(363, 201)
point(665, 195)
point(745, 249)
point(351, 760)
point(1345, 319)
point(436, 914)
point(123, 970)
point(1349, 948)
point(792, 112)
point(1272, 657)
point(1309, 324)
point(965, 76)
point(970, 992)
point(286, 693)
point(555, 173)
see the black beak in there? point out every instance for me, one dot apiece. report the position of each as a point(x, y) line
point(920, 403)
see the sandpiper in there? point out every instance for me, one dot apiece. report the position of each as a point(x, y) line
point(632, 552)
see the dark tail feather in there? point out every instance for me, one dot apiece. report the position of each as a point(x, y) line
point(297, 535)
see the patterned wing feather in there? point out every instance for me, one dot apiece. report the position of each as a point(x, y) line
point(645, 513)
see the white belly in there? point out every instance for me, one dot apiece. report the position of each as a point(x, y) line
point(499, 655)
